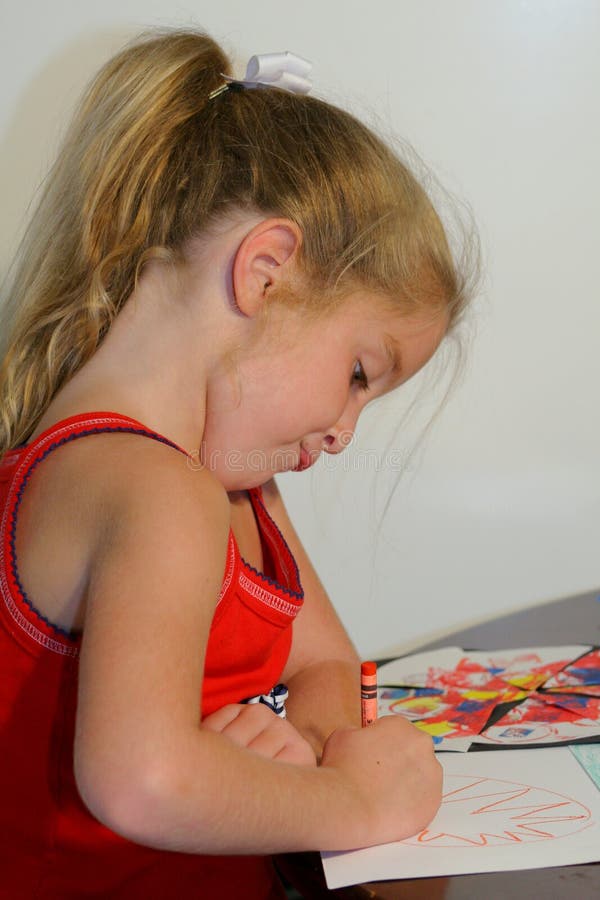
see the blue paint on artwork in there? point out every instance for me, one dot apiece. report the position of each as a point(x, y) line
point(471, 705)
point(585, 675)
point(515, 732)
point(573, 702)
point(400, 693)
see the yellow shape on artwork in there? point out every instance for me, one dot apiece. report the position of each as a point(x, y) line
point(531, 681)
point(512, 694)
point(436, 728)
point(418, 703)
point(479, 695)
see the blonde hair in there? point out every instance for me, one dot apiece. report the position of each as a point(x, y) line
point(150, 161)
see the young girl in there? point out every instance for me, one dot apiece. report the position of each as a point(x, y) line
point(215, 284)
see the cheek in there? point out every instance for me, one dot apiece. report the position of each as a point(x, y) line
point(327, 403)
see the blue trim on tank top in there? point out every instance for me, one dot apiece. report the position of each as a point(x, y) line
point(270, 581)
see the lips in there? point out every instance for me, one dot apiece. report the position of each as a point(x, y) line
point(306, 460)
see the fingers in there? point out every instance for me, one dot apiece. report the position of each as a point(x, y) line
point(280, 740)
point(241, 722)
point(257, 728)
point(223, 717)
point(393, 766)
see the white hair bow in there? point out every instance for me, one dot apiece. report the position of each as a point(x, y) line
point(283, 70)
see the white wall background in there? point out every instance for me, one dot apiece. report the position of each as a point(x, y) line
point(499, 506)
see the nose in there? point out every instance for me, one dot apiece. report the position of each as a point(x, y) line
point(341, 435)
point(337, 440)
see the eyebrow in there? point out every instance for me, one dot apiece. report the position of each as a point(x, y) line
point(392, 351)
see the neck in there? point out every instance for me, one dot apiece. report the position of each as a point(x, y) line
point(172, 342)
point(153, 352)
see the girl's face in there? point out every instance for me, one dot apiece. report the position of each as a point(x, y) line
point(301, 388)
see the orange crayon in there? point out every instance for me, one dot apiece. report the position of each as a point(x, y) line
point(368, 692)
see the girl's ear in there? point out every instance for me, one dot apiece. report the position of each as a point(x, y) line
point(265, 258)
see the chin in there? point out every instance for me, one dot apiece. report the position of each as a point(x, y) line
point(244, 481)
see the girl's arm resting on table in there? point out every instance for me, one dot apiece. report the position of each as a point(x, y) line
point(323, 670)
point(144, 764)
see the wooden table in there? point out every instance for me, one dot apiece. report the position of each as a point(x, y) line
point(572, 620)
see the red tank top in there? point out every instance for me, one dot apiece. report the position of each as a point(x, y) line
point(50, 845)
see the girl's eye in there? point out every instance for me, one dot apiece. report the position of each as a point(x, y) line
point(359, 376)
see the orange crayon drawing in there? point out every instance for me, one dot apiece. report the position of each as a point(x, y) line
point(485, 812)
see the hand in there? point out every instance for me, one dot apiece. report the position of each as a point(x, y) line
point(392, 766)
point(257, 728)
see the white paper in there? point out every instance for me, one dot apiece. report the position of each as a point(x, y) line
point(518, 809)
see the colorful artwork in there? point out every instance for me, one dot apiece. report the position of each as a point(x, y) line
point(472, 675)
point(591, 690)
point(441, 713)
point(536, 721)
point(583, 672)
point(498, 698)
point(527, 669)
point(579, 704)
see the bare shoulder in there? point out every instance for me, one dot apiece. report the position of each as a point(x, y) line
point(164, 534)
point(147, 484)
point(111, 476)
point(106, 495)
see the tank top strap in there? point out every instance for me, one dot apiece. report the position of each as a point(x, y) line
point(286, 567)
point(84, 424)
point(16, 468)
point(23, 460)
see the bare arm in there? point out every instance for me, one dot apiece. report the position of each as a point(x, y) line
point(144, 764)
point(322, 672)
